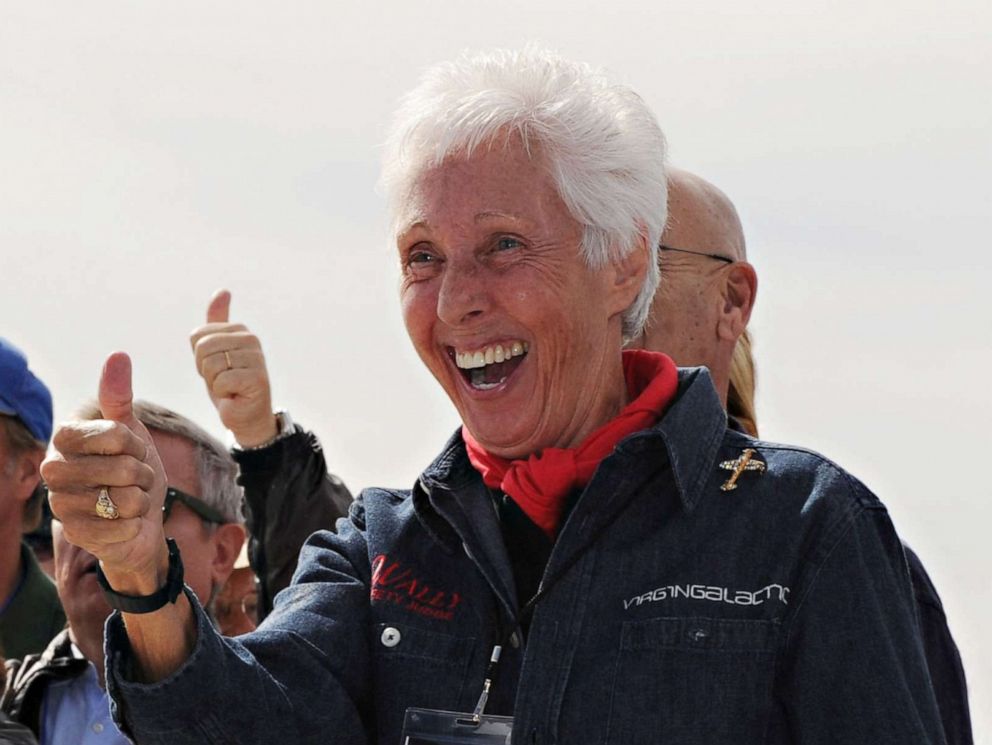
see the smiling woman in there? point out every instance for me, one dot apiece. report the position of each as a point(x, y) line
point(594, 556)
point(492, 260)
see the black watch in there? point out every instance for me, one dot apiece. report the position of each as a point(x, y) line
point(147, 603)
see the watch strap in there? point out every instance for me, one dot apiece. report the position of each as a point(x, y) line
point(168, 593)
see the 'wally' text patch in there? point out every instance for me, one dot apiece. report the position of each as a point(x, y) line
point(394, 583)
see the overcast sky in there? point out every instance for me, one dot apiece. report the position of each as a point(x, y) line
point(151, 153)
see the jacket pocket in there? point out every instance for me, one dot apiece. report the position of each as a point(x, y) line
point(692, 680)
point(417, 667)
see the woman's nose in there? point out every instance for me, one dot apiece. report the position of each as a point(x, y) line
point(465, 294)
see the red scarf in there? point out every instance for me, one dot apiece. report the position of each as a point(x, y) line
point(540, 484)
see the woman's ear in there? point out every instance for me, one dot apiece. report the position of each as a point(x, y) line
point(740, 287)
point(628, 275)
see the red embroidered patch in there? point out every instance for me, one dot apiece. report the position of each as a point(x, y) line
point(394, 583)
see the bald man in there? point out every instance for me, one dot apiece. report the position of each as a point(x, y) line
point(699, 317)
point(707, 290)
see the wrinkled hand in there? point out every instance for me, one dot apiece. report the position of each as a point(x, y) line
point(229, 358)
point(116, 452)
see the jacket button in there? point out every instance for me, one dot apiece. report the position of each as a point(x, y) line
point(515, 640)
point(390, 637)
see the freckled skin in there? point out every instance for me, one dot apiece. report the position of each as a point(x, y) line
point(489, 254)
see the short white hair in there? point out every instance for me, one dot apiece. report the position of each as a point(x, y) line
point(602, 145)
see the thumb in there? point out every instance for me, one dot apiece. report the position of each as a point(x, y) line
point(115, 398)
point(115, 394)
point(220, 307)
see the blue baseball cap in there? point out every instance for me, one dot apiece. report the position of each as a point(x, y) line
point(22, 394)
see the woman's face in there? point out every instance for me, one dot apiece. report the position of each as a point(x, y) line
point(501, 307)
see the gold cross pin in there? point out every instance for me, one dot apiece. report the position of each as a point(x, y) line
point(747, 462)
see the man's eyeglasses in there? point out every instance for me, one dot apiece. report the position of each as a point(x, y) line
point(201, 508)
point(725, 259)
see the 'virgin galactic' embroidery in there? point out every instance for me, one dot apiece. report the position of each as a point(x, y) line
point(711, 593)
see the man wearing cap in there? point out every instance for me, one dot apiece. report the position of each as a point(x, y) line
point(60, 694)
point(30, 613)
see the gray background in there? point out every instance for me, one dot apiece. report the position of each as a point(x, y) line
point(150, 153)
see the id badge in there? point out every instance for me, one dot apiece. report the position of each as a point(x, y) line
point(431, 727)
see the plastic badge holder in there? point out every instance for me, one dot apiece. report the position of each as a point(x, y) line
point(430, 727)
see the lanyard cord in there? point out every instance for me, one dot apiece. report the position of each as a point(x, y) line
point(525, 612)
point(528, 609)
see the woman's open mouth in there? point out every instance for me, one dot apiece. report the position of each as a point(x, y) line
point(488, 367)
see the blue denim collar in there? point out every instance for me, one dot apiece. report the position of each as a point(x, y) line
point(692, 431)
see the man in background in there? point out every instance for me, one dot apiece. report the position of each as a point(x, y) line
point(30, 614)
point(699, 317)
point(60, 694)
point(289, 492)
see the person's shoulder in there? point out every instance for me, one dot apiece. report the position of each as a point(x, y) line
point(38, 586)
point(380, 507)
point(804, 479)
point(373, 504)
point(376, 516)
point(382, 495)
point(12, 733)
point(28, 678)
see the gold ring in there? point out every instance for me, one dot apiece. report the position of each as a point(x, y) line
point(105, 506)
point(227, 357)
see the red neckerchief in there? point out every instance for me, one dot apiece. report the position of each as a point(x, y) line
point(540, 484)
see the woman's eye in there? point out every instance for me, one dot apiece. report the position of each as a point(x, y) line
point(507, 243)
point(421, 257)
point(419, 253)
point(421, 262)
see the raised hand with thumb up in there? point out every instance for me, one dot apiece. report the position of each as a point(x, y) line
point(106, 484)
point(229, 358)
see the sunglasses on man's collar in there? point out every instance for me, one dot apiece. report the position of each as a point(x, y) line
point(201, 508)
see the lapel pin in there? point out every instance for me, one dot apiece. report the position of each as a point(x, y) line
point(747, 462)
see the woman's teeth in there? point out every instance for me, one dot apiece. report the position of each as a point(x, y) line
point(489, 367)
point(488, 355)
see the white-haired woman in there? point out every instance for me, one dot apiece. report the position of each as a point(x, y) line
point(593, 554)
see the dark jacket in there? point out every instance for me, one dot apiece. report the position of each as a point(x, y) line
point(28, 679)
point(12, 733)
point(289, 494)
point(282, 481)
point(780, 612)
point(943, 658)
point(33, 615)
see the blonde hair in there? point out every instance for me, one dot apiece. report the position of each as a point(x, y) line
point(740, 398)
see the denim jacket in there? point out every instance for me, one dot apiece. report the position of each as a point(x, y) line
point(674, 612)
